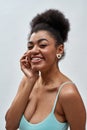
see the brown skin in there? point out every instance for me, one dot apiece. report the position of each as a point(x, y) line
point(35, 89)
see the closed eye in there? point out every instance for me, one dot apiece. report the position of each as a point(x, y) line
point(30, 47)
point(43, 45)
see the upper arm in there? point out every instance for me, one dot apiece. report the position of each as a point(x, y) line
point(73, 107)
point(21, 85)
point(11, 115)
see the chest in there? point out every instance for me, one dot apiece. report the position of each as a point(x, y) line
point(40, 105)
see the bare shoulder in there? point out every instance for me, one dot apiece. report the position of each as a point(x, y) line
point(73, 106)
point(69, 91)
point(70, 95)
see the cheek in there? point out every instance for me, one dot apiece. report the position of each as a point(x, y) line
point(49, 54)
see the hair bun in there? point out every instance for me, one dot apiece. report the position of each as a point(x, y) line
point(55, 19)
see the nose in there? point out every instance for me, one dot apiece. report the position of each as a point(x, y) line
point(34, 50)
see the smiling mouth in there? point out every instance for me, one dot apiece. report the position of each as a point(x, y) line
point(36, 59)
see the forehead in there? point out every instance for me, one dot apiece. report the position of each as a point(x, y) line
point(41, 34)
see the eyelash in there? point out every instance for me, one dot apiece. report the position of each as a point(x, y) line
point(30, 47)
point(41, 46)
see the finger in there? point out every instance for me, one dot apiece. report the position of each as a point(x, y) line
point(24, 59)
point(25, 63)
point(27, 53)
point(26, 56)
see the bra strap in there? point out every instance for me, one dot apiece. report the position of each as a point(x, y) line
point(59, 90)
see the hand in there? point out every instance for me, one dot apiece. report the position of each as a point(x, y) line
point(26, 67)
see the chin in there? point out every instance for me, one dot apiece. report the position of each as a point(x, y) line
point(38, 68)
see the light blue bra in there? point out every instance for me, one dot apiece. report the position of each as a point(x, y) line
point(49, 123)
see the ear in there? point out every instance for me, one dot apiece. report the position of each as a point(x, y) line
point(60, 49)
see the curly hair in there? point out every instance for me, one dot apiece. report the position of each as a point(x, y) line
point(54, 22)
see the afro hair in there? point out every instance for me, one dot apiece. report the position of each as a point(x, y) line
point(55, 19)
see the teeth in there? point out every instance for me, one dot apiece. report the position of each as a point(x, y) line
point(36, 58)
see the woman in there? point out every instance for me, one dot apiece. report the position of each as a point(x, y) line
point(46, 98)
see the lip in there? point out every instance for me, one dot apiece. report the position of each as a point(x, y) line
point(36, 59)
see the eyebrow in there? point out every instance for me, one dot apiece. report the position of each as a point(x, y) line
point(38, 41)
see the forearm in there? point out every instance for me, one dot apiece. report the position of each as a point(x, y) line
point(18, 106)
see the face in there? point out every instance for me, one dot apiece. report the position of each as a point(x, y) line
point(42, 49)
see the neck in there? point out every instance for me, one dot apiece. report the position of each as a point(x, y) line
point(49, 76)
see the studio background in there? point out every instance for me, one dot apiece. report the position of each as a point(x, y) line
point(15, 16)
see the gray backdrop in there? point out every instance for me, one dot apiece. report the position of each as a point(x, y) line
point(15, 16)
